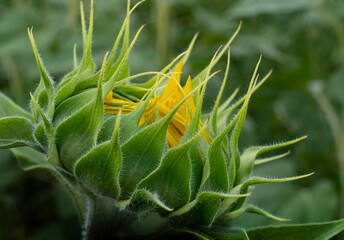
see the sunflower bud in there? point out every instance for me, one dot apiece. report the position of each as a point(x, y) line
point(139, 158)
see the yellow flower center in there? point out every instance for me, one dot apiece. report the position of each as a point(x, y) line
point(163, 104)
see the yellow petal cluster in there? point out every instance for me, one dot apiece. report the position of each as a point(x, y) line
point(162, 105)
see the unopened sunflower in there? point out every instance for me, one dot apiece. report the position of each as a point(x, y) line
point(140, 160)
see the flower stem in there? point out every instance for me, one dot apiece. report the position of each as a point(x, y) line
point(338, 137)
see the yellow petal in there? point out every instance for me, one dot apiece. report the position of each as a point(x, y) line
point(150, 109)
point(108, 97)
point(173, 136)
point(187, 90)
point(173, 88)
point(178, 120)
point(113, 106)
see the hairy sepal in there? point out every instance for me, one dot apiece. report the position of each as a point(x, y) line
point(259, 180)
point(16, 132)
point(84, 70)
point(142, 152)
point(99, 169)
point(72, 104)
point(53, 156)
point(202, 211)
point(250, 155)
point(49, 92)
point(77, 134)
point(171, 180)
point(144, 201)
point(250, 209)
point(9, 108)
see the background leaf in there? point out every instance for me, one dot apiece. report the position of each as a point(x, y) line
point(316, 231)
point(251, 8)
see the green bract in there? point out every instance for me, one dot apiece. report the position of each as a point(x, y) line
point(127, 183)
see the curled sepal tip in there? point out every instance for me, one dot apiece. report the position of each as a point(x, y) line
point(250, 209)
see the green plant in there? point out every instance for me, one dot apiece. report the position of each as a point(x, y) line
point(337, 133)
point(158, 167)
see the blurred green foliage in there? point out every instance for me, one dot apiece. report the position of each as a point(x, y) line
point(302, 40)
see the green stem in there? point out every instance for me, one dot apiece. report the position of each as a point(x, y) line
point(338, 137)
point(106, 221)
point(79, 198)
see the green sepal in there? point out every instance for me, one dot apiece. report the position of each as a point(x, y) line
point(250, 209)
point(226, 110)
point(106, 132)
point(196, 120)
point(130, 123)
point(215, 232)
point(77, 134)
point(46, 78)
point(125, 71)
point(143, 200)
point(250, 155)
point(224, 116)
point(40, 135)
point(203, 209)
point(68, 86)
point(109, 84)
point(73, 103)
point(270, 159)
point(42, 97)
point(228, 233)
point(111, 68)
point(259, 180)
point(142, 152)
point(220, 169)
point(215, 173)
point(10, 108)
point(151, 82)
point(220, 231)
point(86, 83)
point(202, 74)
point(171, 180)
point(192, 129)
point(223, 108)
point(53, 156)
point(119, 71)
point(193, 232)
point(194, 152)
point(99, 169)
point(137, 92)
point(214, 114)
point(197, 169)
point(308, 231)
point(86, 68)
point(235, 154)
point(16, 132)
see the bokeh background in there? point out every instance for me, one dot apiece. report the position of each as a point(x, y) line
point(302, 40)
